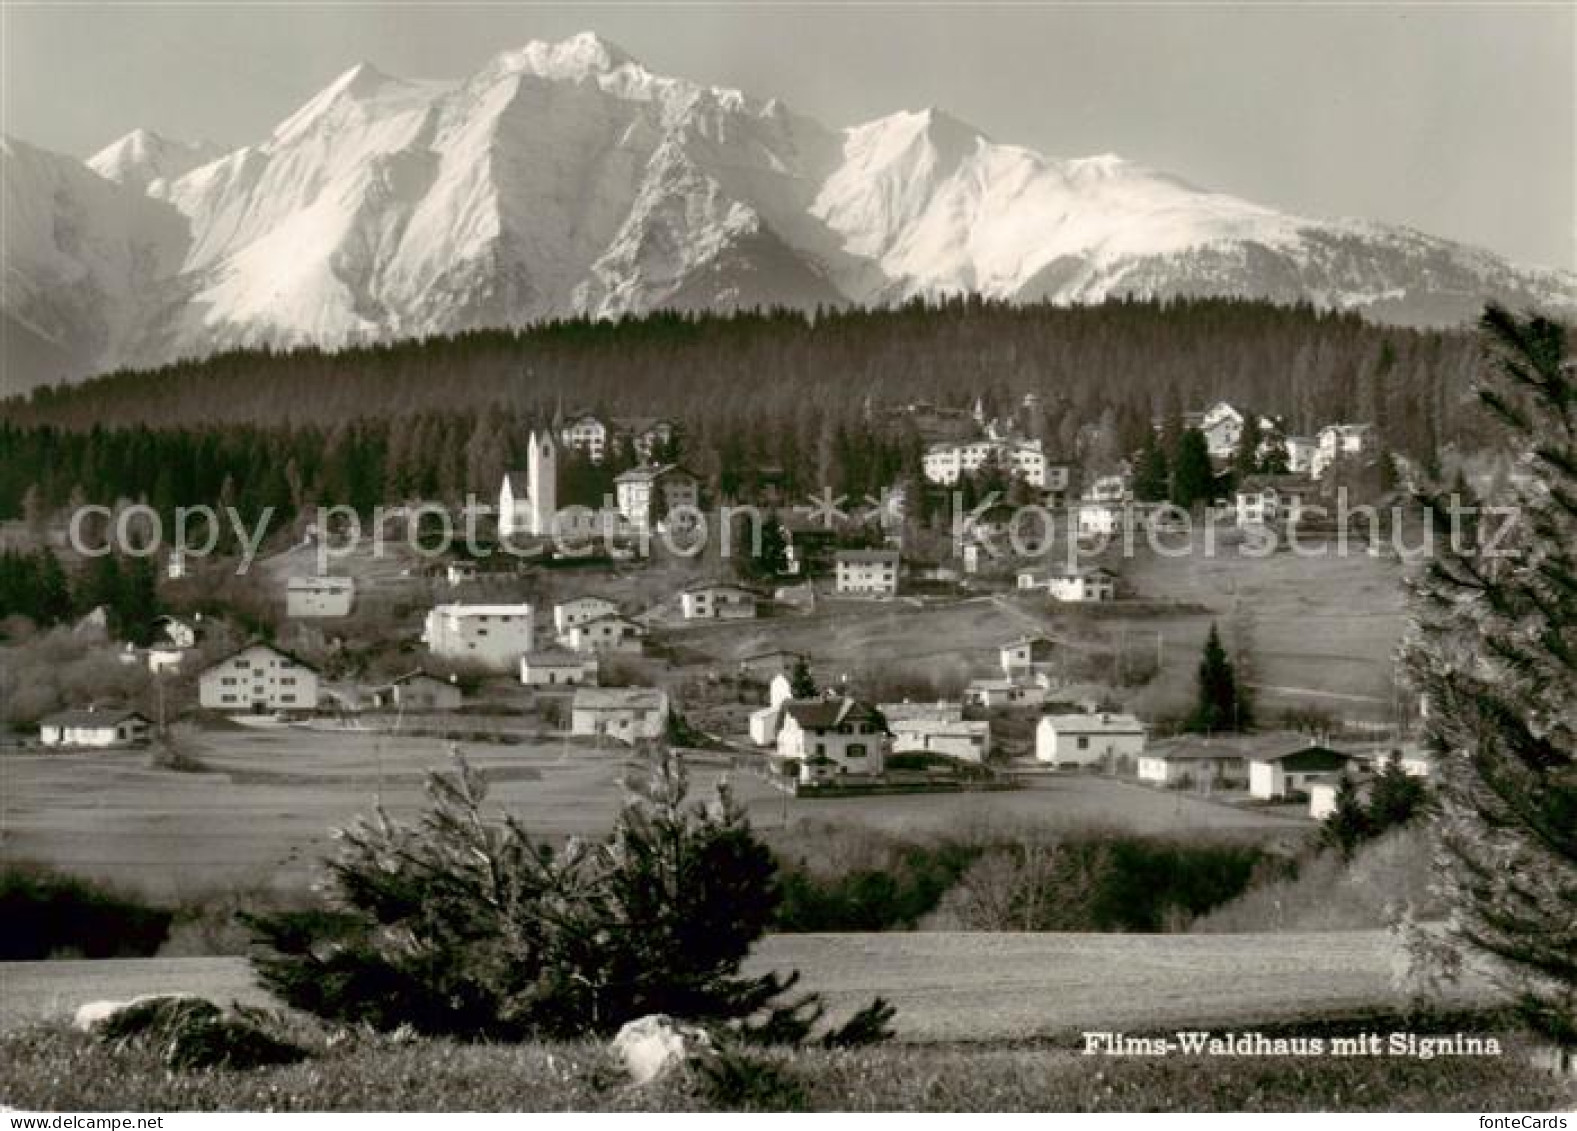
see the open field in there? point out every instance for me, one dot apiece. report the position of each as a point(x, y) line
point(948, 986)
point(264, 814)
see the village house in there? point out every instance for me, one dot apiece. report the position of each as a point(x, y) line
point(717, 601)
point(605, 634)
point(1222, 424)
point(528, 500)
point(994, 694)
point(866, 573)
point(808, 548)
point(1082, 585)
point(1026, 654)
point(1099, 520)
point(1300, 454)
point(558, 669)
point(629, 714)
point(489, 636)
point(1088, 739)
point(832, 737)
point(954, 738)
point(418, 691)
point(1278, 774)
point(778, 661)
point(459, 573)
point(102, 728)
point(648, 435)
point(1193, 762)
point(941, 711)
point(258, 678)
point(579, 610)
point(1340, 442)
point(1273, 500)
point(1114, 488)
point(319, 596)
point(648, 495)
point(946, 463)
point(585, 433)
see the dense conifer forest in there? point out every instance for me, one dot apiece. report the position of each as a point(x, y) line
point(806, 399)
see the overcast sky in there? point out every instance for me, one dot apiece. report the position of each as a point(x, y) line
point(1458, 120)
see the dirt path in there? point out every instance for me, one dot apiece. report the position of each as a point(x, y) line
point(947, 986)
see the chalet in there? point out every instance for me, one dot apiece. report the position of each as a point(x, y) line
point(489, 636)
point(419, 691)
point(626, 713)
point(649, 494)
point(558, 669)
point(992, 694)
point(1340, 442)
point(1026, 654)
point(1222, 424)
point(1109, 489)
point(832, 737)
point(258, 678)
point(1084, 740)
point(955, 738)
point(1195, 762)
point(1276, 774)
point(866, 573)
point(717, 601)
point(319, 596)
point(605, 634)
point(1273, 500)
point(578, 610)
point(98, 727)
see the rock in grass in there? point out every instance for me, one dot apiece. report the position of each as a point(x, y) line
point(651, 1047)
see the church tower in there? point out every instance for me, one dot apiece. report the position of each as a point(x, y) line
point(542, 483)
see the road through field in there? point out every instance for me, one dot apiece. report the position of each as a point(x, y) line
point(946, 985)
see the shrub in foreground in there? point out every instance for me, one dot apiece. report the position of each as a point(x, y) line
point(464, 925)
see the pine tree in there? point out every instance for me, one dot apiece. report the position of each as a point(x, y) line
point(1193, 478)
point(1348, 824)
point(1494, 654)
point(801, 683)
point(1150, 477)
point(1219, 706)
point(1245, 460)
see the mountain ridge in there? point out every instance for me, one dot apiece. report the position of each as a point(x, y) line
point(566, 178)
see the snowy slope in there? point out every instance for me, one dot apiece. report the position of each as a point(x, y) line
point(147, 161)
point(86, 261)
point(566, 177)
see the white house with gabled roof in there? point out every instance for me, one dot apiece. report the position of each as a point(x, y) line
point(1087, 739)
point(489, 636)
point(256, 679)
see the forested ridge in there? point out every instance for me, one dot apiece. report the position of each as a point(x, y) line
point(808, 395)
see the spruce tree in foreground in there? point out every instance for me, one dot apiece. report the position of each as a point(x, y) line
point(463, 924)
point(1494, 653)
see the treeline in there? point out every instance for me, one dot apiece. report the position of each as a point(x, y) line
point(778, 401)
point(737, 374)
point(36, 586)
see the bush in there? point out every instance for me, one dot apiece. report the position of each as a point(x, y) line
point(47, 914)
point(464, 926)
point(192, 1034)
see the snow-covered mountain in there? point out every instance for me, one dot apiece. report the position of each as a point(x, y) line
point(145, 160)
point(567, 178)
